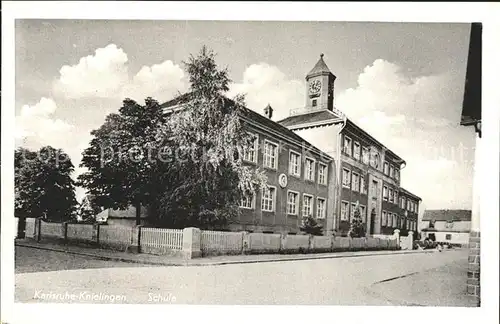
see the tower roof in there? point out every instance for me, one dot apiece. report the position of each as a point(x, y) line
point(319, 68)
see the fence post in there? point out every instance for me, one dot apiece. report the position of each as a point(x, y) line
point(38, 227)
point(191, 243)
point(139, 232)
point(65, 229)
point(283, 242)
point(245, 239)
point(310, 246)
point(396, 236)
point(410, 239)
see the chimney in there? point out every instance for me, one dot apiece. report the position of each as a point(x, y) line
point(268, 111)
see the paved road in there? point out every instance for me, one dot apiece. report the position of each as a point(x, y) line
point(343, 281)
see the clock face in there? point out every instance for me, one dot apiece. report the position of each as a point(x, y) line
point(283, 180)
point(315, 86)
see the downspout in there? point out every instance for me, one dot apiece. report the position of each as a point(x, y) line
point(338, 184)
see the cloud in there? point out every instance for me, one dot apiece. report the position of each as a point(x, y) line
point(100, 75)
point(160, 81)
point(105, 74)
point(265, 84)
point(35, 124)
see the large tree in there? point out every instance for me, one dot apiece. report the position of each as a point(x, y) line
point(184, 166)
point(357, 228)
point(43, 184)
point(122, 166)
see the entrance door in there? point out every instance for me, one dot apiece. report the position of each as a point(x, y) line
point(373, 214)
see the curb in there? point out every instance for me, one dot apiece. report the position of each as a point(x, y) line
point(228, 262)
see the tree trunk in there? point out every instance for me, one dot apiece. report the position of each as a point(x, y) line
point(137, 214)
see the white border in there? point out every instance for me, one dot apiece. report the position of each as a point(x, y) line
point(296, 11)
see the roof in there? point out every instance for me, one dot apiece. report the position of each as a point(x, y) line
point(252, 115)
point(471, 107)
point(325, 117)
point(447, 215)
point(309, 118)
point(319, 68)
point(406, 192)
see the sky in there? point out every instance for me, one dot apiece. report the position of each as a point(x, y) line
point(401, 82)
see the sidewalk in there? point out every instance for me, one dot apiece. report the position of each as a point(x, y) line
point(160, 260)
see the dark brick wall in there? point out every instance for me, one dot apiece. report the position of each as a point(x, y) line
point(473, 273)
point(279, 221)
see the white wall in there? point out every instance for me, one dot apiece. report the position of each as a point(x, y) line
point(456, 238)
point(458, 226)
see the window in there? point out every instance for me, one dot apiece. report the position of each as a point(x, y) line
point(294, 165)
point(357, 150)
point(395, 197)
point(322, 173)
point(391, 171)
point(396, 174)
point(386, 168)
point(250, 153)
point(362, 185)
point(362, 210)
point(353, 210)
point(375, 188)
point(268, 197)
point(346, 178)
point(391, 195)
point(389, 219)
point(355, 181)
point(344, 211)
point(365, 155)
point(384, 193)
point(308, 205)
point(309, 169)
point(384, 218)
point(404, 203)
point(248, 201)
point(270, 155)
point(395, 220)
point(409, 205)
point(416, 208)
point(347, 145)
point(448, 237)
point(321, 208)
point(314, 102)
point(292, 202)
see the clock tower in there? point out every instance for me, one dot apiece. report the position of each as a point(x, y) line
point(320, 83)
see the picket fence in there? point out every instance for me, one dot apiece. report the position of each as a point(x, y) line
point(161, 240)
point(175, 242)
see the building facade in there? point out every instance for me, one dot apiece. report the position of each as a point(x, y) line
point(300, 177)
point(449, 226)
point(368, 173)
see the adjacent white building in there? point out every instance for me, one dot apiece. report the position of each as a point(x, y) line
point(447, 225)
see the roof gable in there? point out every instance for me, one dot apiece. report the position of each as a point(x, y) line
point(250, 115)
point(447, 215)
